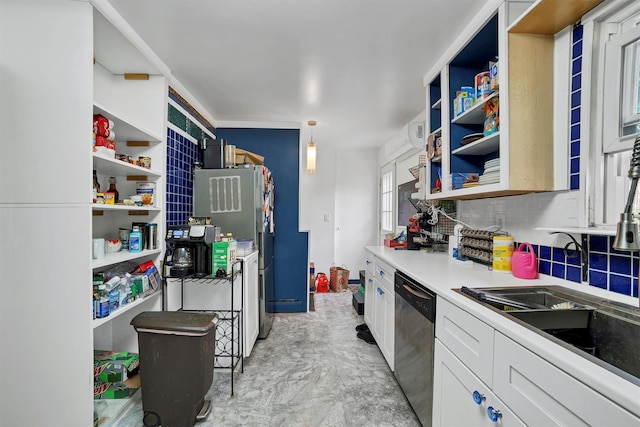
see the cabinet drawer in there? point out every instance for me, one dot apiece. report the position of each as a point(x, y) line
point(470, 339)
point(383, 273)
point(369, 264)
point(542, 394)
point(461, 399)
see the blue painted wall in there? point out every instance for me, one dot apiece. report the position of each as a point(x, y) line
point(280, 148)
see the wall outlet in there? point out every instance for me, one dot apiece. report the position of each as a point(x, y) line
point(327, 218)
point(501, 220)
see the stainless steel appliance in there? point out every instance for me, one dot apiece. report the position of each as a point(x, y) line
point(240, 201)
point(413, 344)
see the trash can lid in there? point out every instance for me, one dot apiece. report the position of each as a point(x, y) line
point(179, 322)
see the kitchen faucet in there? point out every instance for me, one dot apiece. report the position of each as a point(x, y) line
point(627, 231)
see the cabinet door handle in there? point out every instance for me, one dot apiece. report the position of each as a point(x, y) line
point(494, 414)
point(367, 262)
point(370, 281)
point(380, 291)
point(478, 397)
point(381, 273)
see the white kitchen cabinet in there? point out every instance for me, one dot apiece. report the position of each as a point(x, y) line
point(383, 314)
point(369, 307)
point(524, 143)
point(250, 306)
point(470, 339)
point(464, 400)
point(543, 395)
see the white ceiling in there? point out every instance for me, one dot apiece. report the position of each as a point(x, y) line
point(354, 66)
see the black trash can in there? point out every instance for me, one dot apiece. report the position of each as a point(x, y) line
point(177, 350)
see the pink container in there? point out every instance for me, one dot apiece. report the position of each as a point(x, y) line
point(524, 265)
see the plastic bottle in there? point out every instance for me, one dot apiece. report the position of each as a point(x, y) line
point(96, 186)
point(103, 304)
point(135, 240)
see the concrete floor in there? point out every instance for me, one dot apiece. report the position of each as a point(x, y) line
point(312, 370)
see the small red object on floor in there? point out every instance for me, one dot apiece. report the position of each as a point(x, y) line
point(322, 283)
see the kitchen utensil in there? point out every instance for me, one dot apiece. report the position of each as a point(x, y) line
point(524, 265)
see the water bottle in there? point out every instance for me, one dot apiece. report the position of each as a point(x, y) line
point(135, 240)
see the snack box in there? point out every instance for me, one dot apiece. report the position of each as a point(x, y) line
point(114, 366)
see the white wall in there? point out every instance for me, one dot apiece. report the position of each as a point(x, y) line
point(356, 192)
point(317, 199)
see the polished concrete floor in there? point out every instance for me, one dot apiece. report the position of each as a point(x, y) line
point(312, 370)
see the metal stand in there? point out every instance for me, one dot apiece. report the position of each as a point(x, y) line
point(229, 329)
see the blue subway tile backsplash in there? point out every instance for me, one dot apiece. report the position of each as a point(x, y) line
point(182, 153)
point(607, 268)
point(576, 96)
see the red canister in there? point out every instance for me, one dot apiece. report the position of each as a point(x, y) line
point(322, 283)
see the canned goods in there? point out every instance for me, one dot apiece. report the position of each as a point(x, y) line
point(483, 85)
point(144, 161)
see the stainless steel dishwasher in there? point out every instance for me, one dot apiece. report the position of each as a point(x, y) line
point(414, 340)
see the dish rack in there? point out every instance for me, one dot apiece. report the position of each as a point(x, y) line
point(477, 245)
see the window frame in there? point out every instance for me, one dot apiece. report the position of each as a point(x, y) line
point(387, 197)
point(610, 27)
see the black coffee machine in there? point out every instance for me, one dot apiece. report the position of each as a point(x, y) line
point(189, 250)
point(212, 153)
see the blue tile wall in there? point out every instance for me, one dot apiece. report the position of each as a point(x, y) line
point(608, 269)
point(181, 156)
point(576, 96)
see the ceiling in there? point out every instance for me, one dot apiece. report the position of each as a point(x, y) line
point(354, 66)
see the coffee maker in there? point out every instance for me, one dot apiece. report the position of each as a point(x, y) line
point(178, 258)
point(189, 250)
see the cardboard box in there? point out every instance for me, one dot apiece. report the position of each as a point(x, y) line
point(113, 366)
point(223, 255)
point(462, 103)
point(119, 390)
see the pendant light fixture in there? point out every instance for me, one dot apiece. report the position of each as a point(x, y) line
point(311, 150)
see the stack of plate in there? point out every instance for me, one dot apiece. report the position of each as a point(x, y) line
point(491, 173)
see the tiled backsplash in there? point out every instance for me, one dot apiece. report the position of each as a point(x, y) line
point(608, 269)
point(182, 153)
point(576, 95)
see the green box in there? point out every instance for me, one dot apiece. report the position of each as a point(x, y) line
point(223, 255)
point(113, 366)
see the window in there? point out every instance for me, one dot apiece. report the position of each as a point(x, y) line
point(386, 200)
point(616, 48)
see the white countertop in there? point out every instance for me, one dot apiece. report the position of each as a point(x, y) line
point(441, 274)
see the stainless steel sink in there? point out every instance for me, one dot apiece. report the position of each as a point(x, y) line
point(605, 332)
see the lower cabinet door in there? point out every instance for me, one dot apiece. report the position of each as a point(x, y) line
point(543, 395)
point(368, 299)
point(461, 399)
point(388, 326)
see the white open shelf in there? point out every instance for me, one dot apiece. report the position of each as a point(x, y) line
point(121, 310)
point(486, 145)
point(122, 256)
point(115, 167)
point(475, 114)
point(124, 130)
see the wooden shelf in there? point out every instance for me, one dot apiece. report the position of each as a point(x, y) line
point(486, 145)
point(548, 17)
point(111, 166)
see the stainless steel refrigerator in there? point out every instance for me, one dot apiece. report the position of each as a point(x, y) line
point(240, 201)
